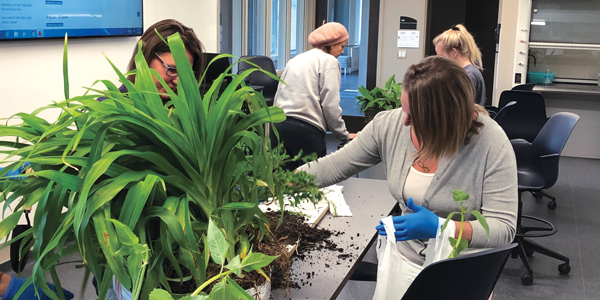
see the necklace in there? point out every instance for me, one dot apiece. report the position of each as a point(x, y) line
point(422, 166)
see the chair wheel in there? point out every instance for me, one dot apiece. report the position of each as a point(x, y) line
point(537, 196)
point(564, 268)
point(552, 205)
point(526, 279)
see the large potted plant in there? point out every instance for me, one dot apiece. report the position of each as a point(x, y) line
point(378, 99)
point(136, 186)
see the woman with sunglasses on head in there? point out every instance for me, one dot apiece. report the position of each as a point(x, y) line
point(439, 141)
point(310, 96)
point(458, 45)
point(159, 57)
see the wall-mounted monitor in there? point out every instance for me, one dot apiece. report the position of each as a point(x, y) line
point(39, 19)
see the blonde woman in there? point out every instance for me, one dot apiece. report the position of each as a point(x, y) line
point(458, 44)
point(437, 142)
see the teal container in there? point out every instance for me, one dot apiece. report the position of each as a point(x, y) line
point(538, 77)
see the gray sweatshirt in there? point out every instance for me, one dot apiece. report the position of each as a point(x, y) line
point(312, 91)
point(485, 168)
point(478, 83)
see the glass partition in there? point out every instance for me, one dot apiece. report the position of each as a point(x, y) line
point(565, 21)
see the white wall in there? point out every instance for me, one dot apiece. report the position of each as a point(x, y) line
point(514, 19)
point(389, 24)
point(31, 75)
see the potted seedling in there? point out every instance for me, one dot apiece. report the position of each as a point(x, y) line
point(140, 188)
point(378, 99)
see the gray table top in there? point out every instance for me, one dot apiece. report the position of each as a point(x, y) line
point(568, 88)
point(322, 274)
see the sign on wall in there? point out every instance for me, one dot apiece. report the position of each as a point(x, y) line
point(408, 38)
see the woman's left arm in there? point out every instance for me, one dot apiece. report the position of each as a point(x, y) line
point(499, 201)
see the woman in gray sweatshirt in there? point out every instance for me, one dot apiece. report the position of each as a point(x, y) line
point(439, 141)
point(310, 94)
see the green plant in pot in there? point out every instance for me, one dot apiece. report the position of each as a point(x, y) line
point(378, 99)
point(133, 184)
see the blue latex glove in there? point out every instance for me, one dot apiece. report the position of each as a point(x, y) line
point(29, 293)
point(421, 224)
point(17, 171)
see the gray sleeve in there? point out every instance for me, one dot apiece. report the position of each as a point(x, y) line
point(361, 153)
point(499, 201)
point(329, 83)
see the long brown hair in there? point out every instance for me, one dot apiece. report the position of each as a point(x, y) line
point(441, 101)
point(460, 39)
point(152, 44)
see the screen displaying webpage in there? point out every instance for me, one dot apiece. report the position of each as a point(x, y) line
point(34, 19)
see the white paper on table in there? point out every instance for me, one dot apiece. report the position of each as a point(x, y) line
point(312, 212)
point(337, 203)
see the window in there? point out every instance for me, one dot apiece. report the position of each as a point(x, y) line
point(275, 28)
point(297, 25)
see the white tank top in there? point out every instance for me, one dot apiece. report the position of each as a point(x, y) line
point(416, 185)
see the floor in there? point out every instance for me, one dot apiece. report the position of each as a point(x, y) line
point(577, 219)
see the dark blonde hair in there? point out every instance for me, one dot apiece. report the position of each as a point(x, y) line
point(441, 101)
point(460, 39)
point(152, 44)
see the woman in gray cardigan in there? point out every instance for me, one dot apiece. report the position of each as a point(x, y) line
point(310, 96)
point(437, 142)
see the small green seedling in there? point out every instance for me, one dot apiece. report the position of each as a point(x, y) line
point(459, 244)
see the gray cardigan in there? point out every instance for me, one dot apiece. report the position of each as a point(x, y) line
point(311, 91)
point(485, 168)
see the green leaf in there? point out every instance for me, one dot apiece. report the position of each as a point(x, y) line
point(222, 291)
point(65, 70)
point(9, 223)
point(459, 195)
point(238, 291)
point(482, 221)
point(448, 219)
point(235, 265)
point(254, 261)
point(126, 236)
point(159, 294)
point(217, 243)
point(195, 297)
point(462, 245)
point(238, 206)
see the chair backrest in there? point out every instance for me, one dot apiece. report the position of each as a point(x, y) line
point(470, 277)
point(550, 142)
point(216, 68)
point(523, 87)
point(526, 118)
point(259, 78)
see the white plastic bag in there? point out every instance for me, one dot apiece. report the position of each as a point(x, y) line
point(395, 273)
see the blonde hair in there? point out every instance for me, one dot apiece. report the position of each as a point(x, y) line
point(441, 98)
point(460, 39)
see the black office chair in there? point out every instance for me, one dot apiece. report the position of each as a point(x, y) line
point(471, 276)
point(526, 118)
point(259, 78)
point(524, 87)
point(537, 168)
